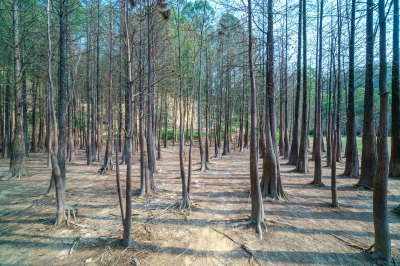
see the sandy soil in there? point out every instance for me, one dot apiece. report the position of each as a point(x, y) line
point(315, 233)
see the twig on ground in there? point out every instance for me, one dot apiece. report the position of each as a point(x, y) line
point(116, 263)
point(161, 213)
point(183, 253)
point(85, 226)
point(215, 257)
point(279, 222)
point(110, 244)
point(75, 242)
point(242, 246)
point(350, 244)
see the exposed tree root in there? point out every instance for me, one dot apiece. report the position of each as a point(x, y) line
point(317, 185)
point(348, 176)
point(106, 167)
point(350, 244)
point(279, 222)
point(65, 215)
point(259, 225)
point(10, 176)
point(364, 186)
point(185, 203)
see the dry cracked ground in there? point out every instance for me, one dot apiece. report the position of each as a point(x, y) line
point(303, 230)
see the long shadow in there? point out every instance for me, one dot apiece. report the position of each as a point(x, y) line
point(298, 257)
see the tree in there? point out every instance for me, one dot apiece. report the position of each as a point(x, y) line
point(381, 223)
point(88, 84)
point(318, 136)
point(257, 209)
point(302, 163)
point(368, 156)
point(18, 161)
point(199, 112)
point(127, 238)
point(62, 93)
point(339, 84)
point(34, 118)
point(150, 101)
point(294, 150)
point(108, 164)
point(352, 165)
point(64, 211)
point(271, 181)
point(6, 147)
point(144, 176)
point(286, 134)
point(185, 203)
point(395, 142)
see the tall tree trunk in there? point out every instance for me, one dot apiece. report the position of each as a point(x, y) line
point(57, 170)
point(395, 143)
point(368, 156)
point(42, 112)
point(285, 80)
point(150, 100)
point(271, 182)
point(108, 163)
point(127, 238)
point(352, 165)
point(318, 136)
point(34, 118)
point(24, 109)
point(174, 120)
point(381, 223)
point(18, 161)
point(199, 111)
point(302, 163)
point(62, 90)
point(144, 175)
point(294, 150)
point(165, 140)
point(185, 195)
point(7, 129)
point(257, 209)
point(88, 84)
point(99, 102)
point(70, 89)
point(329, 117)
point(207, 153)
point(339, 86)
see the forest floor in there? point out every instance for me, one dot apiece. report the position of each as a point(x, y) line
point(311, 231)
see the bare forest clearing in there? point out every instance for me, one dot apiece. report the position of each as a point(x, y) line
point(310, 232)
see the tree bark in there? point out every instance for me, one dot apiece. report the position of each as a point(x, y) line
point(150, 101)
point(352, 164)
point(7, 140)
point(108, 163)
point(302, 163)
point(199, 109)
point(368, 156)
point(18, 161)
point(257, 209)
point(381, 223)
point(34, 118)
point(294, 150)
point(127, 238)
point(395, 142)
point(318, 136)
point(185, 203)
